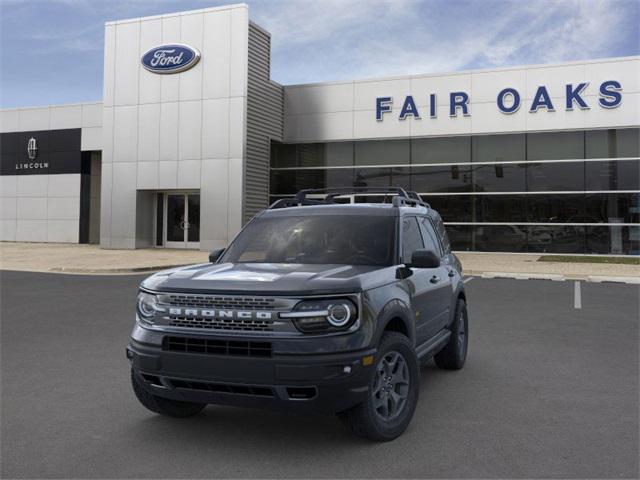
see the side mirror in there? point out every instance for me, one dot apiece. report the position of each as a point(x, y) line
point(424, 259)
point(215, 255)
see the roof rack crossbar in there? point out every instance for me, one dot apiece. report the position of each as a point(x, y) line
point(401, 196)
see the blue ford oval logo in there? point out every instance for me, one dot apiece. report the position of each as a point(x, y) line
point(172, 58)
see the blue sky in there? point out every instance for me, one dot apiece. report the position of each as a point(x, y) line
point(51, 51)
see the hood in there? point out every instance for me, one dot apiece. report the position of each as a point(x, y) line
point(270, 279)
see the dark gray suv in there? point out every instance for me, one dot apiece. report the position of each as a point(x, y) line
point(315, 306)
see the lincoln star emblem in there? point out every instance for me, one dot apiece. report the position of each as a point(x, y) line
point(32, 148)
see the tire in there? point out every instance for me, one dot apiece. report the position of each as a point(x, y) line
point(454, 354)
point(368, 419)
point(164, 406)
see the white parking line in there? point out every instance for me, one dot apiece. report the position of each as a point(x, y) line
point(577, 296)
point(468, 279)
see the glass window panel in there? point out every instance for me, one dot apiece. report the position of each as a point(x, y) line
point(613, 175)
point(499, 208)
point(431, 241)
point(338, 177)
point(460, 236)
point(445, 178)
point(612, 208)
point(567, 208)
point(556, 239)
point(310, 155)
point(372, 177)
point(613, 143)
point(382, 152)
point(613, 240)
point(499, 238)
point(339, 154)
point(499, 178)
point(290, 181)
point(283, 155)
point(193, 234)
point(452, 208)
point(411, 238)
point(441, 150)
point(543, 177)
point(499, 148)
point(555, 145)
point(175, 218)
point(442, 233)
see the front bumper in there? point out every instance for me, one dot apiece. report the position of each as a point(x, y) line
point(322, 383)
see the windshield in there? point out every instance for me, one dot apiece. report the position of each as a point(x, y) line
point(324, 239)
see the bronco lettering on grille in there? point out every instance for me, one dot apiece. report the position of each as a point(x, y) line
point(233, 314)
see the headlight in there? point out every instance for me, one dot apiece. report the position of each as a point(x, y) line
point(323, 316)
point(147, 306)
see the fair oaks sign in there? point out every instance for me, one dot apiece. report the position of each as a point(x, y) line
point(508, 101)
point(173, 58)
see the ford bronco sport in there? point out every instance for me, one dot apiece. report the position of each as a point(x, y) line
point(315, 306)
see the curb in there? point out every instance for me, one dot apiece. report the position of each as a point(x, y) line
point(94, 271)
point(553, 276)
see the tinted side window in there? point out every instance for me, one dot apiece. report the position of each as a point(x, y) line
point(411, 238)
point(442, 233)
point(430, 238)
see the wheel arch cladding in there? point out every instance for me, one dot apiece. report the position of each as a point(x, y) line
point(395, 317)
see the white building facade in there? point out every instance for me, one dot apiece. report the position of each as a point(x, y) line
point(539, 158)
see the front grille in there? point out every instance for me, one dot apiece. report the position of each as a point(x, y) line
point(245, 325)
point(217, 347)
point(222, 388)
point(221, 302)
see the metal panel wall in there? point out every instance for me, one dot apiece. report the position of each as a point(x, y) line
point(265, 120)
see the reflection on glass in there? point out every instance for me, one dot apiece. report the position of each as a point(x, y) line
point(548, 177)
point(613, 175)
point(441, 150)
point(194, 218)
point(556, 239)
point(499, 148)
point(175, 218)
point(452, 208)
point(382, 177)
point(613, 240)
point(500, 238)
point(567, 208)
point(382, 152)
point(500, 208)
point(555, 145)
point(612, 143)
point(445, 178)
point(499, 178)
point(612, 208)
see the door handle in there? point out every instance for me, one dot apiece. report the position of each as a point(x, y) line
point(452, 273)
point(435, 279)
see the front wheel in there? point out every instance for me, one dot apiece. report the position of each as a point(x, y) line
point(454, 354)
point(164, 406)
point(392, 395)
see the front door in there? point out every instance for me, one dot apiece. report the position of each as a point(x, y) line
point(182, 220)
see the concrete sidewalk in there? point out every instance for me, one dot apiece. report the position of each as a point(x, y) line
point(71, 258)
point(491, 265)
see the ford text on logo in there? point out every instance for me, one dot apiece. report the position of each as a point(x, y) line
point(172, 58)
point(508, 101)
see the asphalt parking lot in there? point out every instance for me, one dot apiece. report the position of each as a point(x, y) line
point(549, 390)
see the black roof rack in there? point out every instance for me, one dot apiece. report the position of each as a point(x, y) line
point(401, 197)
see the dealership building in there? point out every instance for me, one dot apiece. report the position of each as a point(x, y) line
point(192, 138)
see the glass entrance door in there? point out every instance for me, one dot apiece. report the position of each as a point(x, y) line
point(182, 220)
